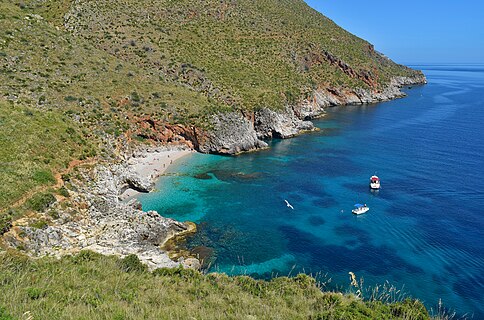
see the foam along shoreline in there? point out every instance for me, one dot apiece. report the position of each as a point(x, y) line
point(151, 165)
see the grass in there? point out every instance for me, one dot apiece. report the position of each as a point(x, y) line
point(247, 54)
point(91, 286)
point(62, 97)
point(34, 144)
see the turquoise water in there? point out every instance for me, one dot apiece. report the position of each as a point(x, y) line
point(424, 231)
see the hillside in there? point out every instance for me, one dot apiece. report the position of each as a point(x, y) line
point(244, 54)
point(160, 70)
point(91, 286)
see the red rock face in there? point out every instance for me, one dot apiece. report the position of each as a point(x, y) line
point(169, 133)
point(370, 77)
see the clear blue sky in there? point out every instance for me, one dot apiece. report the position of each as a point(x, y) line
point(424, 31)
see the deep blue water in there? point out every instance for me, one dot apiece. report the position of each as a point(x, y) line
point(425, 228)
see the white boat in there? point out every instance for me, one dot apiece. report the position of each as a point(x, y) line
point(374, 182)
point(360, 208)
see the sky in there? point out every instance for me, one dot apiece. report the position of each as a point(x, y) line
point(414, 32)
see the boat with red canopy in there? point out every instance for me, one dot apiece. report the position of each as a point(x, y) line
point(374, 182)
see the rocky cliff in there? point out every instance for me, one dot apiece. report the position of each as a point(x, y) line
point(237, 132)
point(94, 218)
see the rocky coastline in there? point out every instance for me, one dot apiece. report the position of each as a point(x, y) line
point(237, 132)
point(94, 217)
point(97, 216)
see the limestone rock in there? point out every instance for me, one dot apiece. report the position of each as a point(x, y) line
point(191, 263)
point(106, 225)
point(231, 134)
point(138, 183)
point(285, 124)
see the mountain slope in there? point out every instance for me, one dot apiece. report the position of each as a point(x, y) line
point(218, 75)
point(247, 54)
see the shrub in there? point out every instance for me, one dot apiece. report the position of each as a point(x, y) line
point(39, 224)
point(5, 224)
point(131, 263)
point(70, 98)
point(4, 315)
point(304, 280)
point(63, 192)
point(53, 214)
point(35, 293)
point(41, 201)
point(409, 308)
point(85, 256)
point(43, 176)
point(177, 272)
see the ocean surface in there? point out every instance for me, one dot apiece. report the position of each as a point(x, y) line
point(424, 233)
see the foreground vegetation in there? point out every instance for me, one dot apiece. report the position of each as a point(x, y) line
point(91, 286)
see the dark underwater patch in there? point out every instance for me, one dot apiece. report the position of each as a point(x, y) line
point(203, 176)
point(236, 247)
point(230, 176)
point(347, 230)
point(379, 261)
point(316, 221)
point(179, 210)
point(325, 201)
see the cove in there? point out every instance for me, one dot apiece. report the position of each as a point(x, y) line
point(423, 233)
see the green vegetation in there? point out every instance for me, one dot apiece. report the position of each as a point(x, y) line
point(33, 144)
point(187, 57)
point(41, 201)
point(245, 54)
point(91, 286)
point(74, 76)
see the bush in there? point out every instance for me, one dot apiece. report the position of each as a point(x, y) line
point(43, 176)
point(39, 224)
point(70, 98)
point(41, 201)
point(304, 281)
point(177, 272)
point(131, 263)
point(86, 256)
point(53, 214)
point(35, 293)
point(63, 192)
point(409, 308)
point(4, 315)
point(5, 224)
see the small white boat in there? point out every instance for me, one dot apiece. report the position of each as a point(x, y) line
point(374, 182)
point(360, 208)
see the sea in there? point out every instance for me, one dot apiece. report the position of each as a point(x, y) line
point(423, 236)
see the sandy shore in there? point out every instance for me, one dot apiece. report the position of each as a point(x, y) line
point(153, 164)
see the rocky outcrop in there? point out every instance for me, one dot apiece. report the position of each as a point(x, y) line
point(232, 133)
point(135, 182)
point(283, 124)
point(329, 96)
point(95, 219)
point(237, 132)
